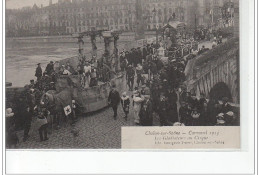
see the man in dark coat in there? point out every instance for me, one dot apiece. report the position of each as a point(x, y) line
point(185, 114)
point(50, 68)
point(155, 97)
point(172, 106)
point(38, 72)
point(27, 122)
point(130, 75)
point(146, 112)
point(114, 100)
point(163, 110)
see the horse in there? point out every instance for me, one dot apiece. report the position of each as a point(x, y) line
point(59, 104)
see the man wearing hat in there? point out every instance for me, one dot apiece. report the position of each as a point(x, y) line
point(27, 115)
point(130, 75)
point(50, 68)
point(146, 112)
point(162, 111)
point(38, 72)
point(184, 113)
point(139, 72)
point(172, 112)
point(114, 99)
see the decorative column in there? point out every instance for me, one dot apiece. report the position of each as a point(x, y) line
point(81, 56)
point(117, 62)
point(93, 42)
point(107, 41)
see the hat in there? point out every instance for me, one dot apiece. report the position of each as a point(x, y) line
point(52, 82)
point(143, 86)
point(124, 94)
point(31, 80)
point(230, 113)
point(220, 115)
point(178, 124)
point(9, 112)
point(51, 61)
point(39, 64)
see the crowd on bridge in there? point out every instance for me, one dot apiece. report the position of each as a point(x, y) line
point(156, 89)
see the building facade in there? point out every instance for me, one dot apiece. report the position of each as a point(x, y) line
point(73, 16)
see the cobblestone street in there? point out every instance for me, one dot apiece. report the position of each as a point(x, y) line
point(96, 131)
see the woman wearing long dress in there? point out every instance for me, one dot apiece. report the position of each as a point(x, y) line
point(137, 102)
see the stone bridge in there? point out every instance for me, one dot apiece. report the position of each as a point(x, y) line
point(216, 72)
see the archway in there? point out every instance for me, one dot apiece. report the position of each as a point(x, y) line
point(219, 91)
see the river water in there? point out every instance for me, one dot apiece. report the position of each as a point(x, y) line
point(22, 56)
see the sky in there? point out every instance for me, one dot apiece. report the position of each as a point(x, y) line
point(16, 4)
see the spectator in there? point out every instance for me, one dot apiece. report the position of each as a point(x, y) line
point(137, 101)
point(38, 72)
point(43, 124)
point(27, 122)
point(146, 112)
point(114, 100)
point(50, 68)
point(125, 101)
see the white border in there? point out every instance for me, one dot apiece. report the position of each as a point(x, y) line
point(189, 162)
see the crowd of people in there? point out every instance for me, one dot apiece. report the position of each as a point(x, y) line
point(156, 89)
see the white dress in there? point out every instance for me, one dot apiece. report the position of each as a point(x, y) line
point(137, 107)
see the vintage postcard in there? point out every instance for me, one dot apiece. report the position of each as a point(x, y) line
point(122, 74)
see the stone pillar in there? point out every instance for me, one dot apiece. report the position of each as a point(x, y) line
point(236, 18)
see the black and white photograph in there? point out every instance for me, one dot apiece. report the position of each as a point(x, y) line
point(78, 71)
